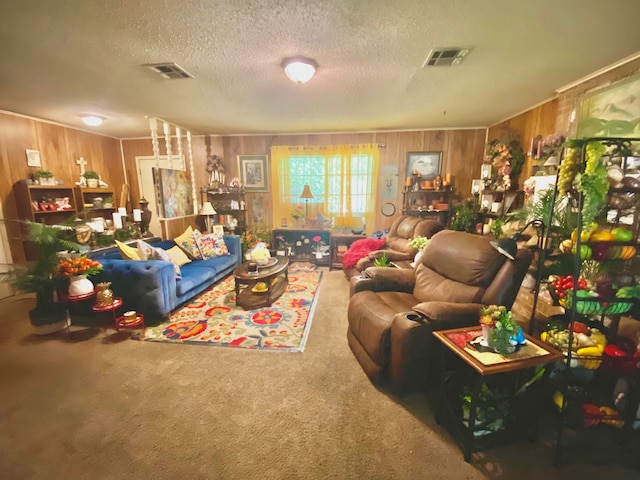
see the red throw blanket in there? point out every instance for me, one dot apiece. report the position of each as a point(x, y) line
point(360, 249)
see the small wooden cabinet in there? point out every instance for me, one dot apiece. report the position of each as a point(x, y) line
point(301, 242)
point(95, 202)
point(340, 243)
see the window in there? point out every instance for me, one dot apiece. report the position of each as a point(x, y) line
point(341, 178)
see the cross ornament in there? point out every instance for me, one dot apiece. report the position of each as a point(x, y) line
point(82, 162)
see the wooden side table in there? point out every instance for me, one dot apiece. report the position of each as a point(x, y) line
point(340, 243)
point(509, 370)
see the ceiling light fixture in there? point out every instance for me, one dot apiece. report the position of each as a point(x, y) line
point(299, 69)
point(92, 120)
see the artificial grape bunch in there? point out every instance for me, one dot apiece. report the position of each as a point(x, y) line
point(594, 188)
point(594, 152)
point(567, 171)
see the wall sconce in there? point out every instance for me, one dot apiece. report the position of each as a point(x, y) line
point(299, 69)
point(535, 149)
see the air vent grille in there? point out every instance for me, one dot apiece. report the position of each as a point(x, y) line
point(169, 71)
point(445, 57)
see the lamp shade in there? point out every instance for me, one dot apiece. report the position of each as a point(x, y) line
point(507, 247)
point(207, 209)
point(299, 69)
point(306, 192)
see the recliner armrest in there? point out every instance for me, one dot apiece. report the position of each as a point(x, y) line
point(446, 315)
point(382, 279)
point(392, 255)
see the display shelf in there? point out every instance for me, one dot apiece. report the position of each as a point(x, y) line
point(584, 383)
point(93, 202)
point(229, 204)
point(427, 203)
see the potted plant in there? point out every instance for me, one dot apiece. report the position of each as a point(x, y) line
point(77, 270)
point(498, 328)
point(38, 277)
point(43, 177)
point(92, 178)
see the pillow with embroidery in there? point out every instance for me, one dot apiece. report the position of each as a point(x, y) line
point(145, 251)
point(212, 245)
point(160, 254)
point(184, 235)
point(190, 246)
point(177, 255)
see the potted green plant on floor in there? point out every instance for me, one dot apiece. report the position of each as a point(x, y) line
point(38, 276)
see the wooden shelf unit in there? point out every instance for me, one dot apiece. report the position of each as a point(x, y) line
point(86, 196)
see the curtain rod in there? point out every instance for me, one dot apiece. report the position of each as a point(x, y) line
point(309, 147)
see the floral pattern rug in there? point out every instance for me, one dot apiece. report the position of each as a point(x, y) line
point(214, 319)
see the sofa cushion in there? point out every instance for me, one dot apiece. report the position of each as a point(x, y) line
point(192, 277)
point(184, 235)
point(127, 252)
point(211, 245)
point(177, 255)
point(190, 245)
point(145, 251)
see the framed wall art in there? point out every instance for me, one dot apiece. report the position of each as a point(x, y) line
point(253, 172)
point(425, 164)
point(33, 158)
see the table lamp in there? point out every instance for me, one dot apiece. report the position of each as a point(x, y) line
point(306, 194)
point(207, 211)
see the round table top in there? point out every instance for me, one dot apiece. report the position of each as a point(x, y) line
point(243, 273)
point(117, 303)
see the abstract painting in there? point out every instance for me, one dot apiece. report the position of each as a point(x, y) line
point(173, 188)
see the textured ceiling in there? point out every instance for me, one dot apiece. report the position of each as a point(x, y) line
point(66, 57)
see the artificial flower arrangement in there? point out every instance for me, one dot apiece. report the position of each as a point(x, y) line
point(502, 327)
point(318, 241)
point(260, 253)
point(506, 158)
point(260, 232)
point(418, 242)
point(235, 183)
point(71, 267)
point(297, 212)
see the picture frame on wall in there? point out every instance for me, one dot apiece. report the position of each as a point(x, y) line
point(426, 164)
point(33, 158)
point(253, 172)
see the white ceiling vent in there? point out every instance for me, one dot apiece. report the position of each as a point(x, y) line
point(445, 57)
point(169, 71)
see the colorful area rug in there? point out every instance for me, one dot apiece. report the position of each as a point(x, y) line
point(214, 319)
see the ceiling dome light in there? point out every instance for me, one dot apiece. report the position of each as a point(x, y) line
point(92, 120)
point(299, 69)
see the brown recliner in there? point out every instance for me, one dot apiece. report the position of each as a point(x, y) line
point(457, 273)
point(397, 248)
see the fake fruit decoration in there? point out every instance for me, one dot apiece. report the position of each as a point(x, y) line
point(585, 251)
point(567, 171)
point(621, 234)
point(600, 252)
point(585, 234)
point(592, 183)
point(601, 236)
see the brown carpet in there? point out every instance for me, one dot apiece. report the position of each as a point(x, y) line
point(100, 406)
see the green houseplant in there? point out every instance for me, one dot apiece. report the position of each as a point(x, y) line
point(92, 178)
point(39, 276)
point(43, 177)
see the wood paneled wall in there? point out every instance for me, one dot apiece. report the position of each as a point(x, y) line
point(59, 148)
point(462, 152)
point(540, 120)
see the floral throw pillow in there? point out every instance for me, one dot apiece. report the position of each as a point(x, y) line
point(190, 245)
point(212, 245)
point(145, 251)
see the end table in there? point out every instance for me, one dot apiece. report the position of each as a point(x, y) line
point(511, 368)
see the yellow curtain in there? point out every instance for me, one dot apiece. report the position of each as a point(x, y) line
point(352, 181)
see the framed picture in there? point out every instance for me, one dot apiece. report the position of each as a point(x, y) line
point(33, 158)
point(218, 229)
point(425, 164)
point(253, 172)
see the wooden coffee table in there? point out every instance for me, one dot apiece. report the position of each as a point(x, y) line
point(275, 277)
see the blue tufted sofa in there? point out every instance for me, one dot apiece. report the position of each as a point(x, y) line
point(150, 286)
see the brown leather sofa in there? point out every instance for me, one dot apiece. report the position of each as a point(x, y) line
point(397, 248)
point(456, 274)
